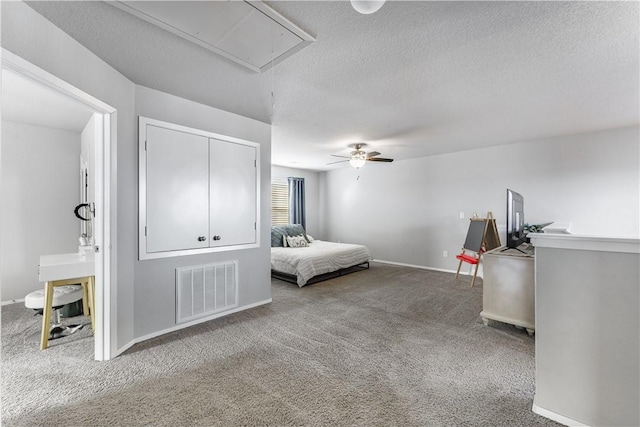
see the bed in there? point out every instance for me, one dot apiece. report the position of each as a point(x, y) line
point(320, 260)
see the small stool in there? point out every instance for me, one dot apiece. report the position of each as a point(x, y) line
point(55, 295)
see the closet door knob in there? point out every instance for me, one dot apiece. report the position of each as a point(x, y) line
point(217, 237)
point(201, 239)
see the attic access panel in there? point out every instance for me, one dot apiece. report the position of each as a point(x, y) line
point(248, 33)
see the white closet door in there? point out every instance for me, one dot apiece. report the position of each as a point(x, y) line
point(233, 193)
point(177, 190)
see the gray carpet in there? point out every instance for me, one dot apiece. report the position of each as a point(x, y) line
point(389, 346)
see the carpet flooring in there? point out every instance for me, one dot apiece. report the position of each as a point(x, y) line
point(388, 346)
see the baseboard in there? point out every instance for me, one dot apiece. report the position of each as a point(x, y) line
point(556, 417)
point(13, 301)
point(188, 324)
point(381, 261)
point(126, 347)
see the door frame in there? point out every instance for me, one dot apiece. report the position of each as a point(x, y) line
point(105, 138)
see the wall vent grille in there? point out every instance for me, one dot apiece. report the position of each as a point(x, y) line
point(205, 289)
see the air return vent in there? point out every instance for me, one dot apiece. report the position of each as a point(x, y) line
point(205, 289)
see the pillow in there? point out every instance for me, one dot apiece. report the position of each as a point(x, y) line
point(278, 231)
point(311, 239)
point(277, 236)
point(284, 241)
point(295, 230)
point(297, 241)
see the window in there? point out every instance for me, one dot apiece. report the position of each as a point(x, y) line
point(279, 201)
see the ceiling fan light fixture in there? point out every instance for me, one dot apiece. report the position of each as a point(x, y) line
point(367, 7)
point(358, 159)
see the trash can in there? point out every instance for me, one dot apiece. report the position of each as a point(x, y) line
point(72, 309)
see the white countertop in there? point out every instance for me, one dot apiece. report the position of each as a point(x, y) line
point(65, 266)
point(585, 242)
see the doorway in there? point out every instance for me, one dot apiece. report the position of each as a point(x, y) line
point(102, 119)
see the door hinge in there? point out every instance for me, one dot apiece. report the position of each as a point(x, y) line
point(145, 230)
point(255, 226)
point(255, 163)
point(145, 145)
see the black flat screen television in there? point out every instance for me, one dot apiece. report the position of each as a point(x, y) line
point(515, 219)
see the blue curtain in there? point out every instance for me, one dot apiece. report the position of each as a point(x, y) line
point(296, 201)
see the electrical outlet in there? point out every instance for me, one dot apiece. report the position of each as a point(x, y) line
point(461, 215)
point(445, 254)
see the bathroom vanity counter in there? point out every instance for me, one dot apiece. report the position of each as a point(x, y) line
point(65, 266)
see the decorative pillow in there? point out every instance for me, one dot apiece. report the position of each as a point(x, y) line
point(297, 241)
point(295, 230)
point(310, 237)
point(284, 241)
point(278, 231)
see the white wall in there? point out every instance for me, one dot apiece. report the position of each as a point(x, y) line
point(587, 340)
point(88, 155)
point(33, 38)
point(408, 211)
point(311, 194)
point(88, 162)
point(40, 188)
point(155, 279)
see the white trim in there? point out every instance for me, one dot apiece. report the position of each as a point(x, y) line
point(307, 38)
point(109, 292)
point(98, 239)
point(127, 346)
point(422, 267)
point(13, 62)
point(585, 242)
point(13, 301)
point(188, 252)
point(102, 241)
point(191, 323)
point(144, 121)
point(556, 417)
point(103, 295)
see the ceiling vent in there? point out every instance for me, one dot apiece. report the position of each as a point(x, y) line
point(248, 33)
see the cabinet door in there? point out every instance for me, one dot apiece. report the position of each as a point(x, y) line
point(177, 190)
point(233, 193)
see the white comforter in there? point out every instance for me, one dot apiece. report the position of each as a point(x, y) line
point(318, 258)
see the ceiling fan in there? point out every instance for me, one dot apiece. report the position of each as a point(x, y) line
point(358, 157)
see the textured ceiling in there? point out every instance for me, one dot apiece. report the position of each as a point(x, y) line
point(414, 79)
point(249, 34)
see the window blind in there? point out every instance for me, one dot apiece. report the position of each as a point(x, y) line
point(279, 202)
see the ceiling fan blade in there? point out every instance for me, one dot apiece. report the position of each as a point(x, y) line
point(379, 159)
point(339, 161)
point(344, 157)
point(372, 154)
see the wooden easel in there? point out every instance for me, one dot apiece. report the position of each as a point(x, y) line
point(481, 237)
